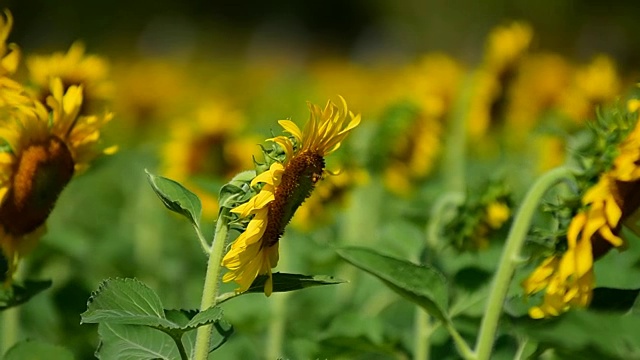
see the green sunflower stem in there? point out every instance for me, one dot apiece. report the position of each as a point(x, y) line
point(423, 330)
point(211, 284)
point(10, 328)
point(454, 175)
point(509, 259)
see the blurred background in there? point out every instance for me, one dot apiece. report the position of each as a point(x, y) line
point(368, 31)
point(196, 85)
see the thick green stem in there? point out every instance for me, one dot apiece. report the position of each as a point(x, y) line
point(10, 328)
point(211, 284)
point(422, 334)
point(278, 322)
point(509, 259)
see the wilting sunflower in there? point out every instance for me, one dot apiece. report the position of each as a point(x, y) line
point(285, 185)
point(41, 150)
point(568, 279)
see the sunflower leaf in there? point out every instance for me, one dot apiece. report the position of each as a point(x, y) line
point(283, 282)
point(33, 349)
point(176, 197)
point(120, 341)
point(420, 284)
point(582, 334)
point(126, 301)
point(18, 294)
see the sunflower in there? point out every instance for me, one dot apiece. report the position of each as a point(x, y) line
point(568, 279)
point(73, 68)
point(42, 151)
point(285, 186)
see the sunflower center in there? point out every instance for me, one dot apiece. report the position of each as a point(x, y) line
point(42, 171)
point(298, 181)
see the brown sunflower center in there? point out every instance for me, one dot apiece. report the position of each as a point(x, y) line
point(298, 180)
point(41, 173)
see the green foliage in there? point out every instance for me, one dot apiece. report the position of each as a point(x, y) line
point(17, 294)
point(283, 282)
point(176, 197)
point(420, 284)
point(37, 350)
point(133, 323)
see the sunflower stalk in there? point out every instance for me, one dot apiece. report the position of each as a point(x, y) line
point(454, 179)
point(510, 256)
point(212, 283)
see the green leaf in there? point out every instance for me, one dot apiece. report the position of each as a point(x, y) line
point(420, 284)
point(608, 299)
point(603, 335)
point(208, 316)
point(176, 197)
point(126, 301)
point(283, 282)
point(36, 350)
point(118, 341)
point(18, 294)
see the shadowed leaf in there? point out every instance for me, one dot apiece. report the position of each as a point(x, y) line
point(176, 197)
point(420, 284)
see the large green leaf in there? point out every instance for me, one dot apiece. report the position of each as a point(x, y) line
point(119, 341)
point(420, 284)
point(17, 294)
point(126, 301)
point(36, 350)
point(176, 197)
point(283, 282)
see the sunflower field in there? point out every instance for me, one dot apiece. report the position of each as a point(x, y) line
point(339, 180)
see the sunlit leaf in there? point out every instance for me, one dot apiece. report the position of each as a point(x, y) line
point(18, 294)
point(176, 197)
point(418, 283)
point(126, 301)
point(36, 350)
point(125, 342)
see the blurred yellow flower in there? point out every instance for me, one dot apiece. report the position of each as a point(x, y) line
point(539, 86)
point(210, 146)
point(285, 186)
point(594, 85)
point(9, 53)
point(72, 68)
point(568, 280)
point(506, 45)
point(43, 151)
point(332, 192)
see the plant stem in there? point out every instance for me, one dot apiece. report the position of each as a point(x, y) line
point(10, 328)
point(180, 346)
point(277, 324)
point(455, 148)
point(211, 284)
point(510, 254)
point(463, 348)
point(423, 332)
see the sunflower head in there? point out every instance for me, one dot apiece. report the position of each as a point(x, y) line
point(609, 196)
point(281, 189)
point(42, 148)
